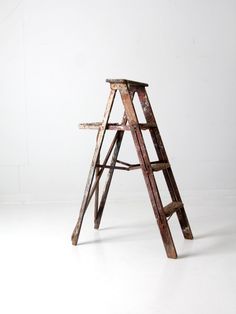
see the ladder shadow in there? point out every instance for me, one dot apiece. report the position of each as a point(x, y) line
point(224, 231)
point(127, 226)
point(136, 231)
point(217, 241)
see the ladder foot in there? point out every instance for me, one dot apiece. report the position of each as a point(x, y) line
point(96, 225)
point(170, 250)
point(172, 256)
point(75, 236)
point(183, 220)
point(167, 240)
point(74, 240)
point(97, 222)
point(187, 233)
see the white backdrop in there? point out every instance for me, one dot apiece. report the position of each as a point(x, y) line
point(54, 59)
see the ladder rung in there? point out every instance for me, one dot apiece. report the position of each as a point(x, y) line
point(94, 125)
point(172, 207)
point(156, 166)
point(160, 166)
point(115, 126)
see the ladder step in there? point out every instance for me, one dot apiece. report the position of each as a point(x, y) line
point(115, 126)
point(160, 166)
point(172, 207)
point(156, 166)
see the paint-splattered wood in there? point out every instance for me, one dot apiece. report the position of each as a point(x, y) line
point(87, 192)
point(124, 81)
point(147, 172)
point(172, 207)
point(156, 166)
point(114, 126)
point(162, 155)
point(119, 135)
point(130, 122)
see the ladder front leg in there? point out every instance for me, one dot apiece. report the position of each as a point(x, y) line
point(161, 153)
point(148, 174)
point(154, 195)
point(167, 239)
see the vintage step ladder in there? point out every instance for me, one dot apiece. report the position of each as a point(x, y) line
point(130, 122)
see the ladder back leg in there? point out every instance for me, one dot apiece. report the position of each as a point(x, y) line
point(98, 217)
point(96, 201)
point(100, 137)
point(119, 135)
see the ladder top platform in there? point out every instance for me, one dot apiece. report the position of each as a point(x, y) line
point(124, 81)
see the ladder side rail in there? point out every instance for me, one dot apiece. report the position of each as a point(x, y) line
point(148, 173)
point(161, 153)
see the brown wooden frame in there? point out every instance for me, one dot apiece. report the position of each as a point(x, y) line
point(130, 122)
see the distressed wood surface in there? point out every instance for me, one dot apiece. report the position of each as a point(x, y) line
point(161, 153)
point(100, 137)
point(127, 82)
point(172, 207)
point(108, 181)
point(148, 173)
point(112, 165)
point(130, 122)
point(156, 166)
point(97, 172)
point(114, 126)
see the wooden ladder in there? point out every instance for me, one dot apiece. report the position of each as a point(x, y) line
point(130, 122)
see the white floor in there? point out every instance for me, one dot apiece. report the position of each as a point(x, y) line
point(122, 268)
